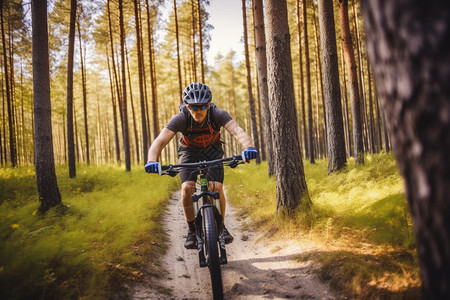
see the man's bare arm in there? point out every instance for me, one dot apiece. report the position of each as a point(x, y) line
point(243, 138)
point(159, 143)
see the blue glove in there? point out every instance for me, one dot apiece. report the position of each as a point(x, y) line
point(153, 167)
point(249, 153)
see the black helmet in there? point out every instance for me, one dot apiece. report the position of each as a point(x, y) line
point(197, 93)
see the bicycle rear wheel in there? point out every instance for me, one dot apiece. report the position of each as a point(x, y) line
point(212, 251)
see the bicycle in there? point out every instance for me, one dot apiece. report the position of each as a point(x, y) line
point(208, 219)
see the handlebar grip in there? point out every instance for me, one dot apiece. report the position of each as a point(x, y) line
point(163, 168)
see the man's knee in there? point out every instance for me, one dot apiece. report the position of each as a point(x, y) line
point(188, 188)
point(216, 186)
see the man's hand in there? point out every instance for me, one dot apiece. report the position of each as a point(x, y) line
point(249, 153)
point(153, 167)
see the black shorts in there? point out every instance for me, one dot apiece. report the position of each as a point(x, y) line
point(188, 155)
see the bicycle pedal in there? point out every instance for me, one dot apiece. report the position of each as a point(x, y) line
point(223, 261)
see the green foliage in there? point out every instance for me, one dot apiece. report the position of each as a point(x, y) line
point(107, 230)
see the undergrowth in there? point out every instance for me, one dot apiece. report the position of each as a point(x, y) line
point(106, 230)
point(359, 215)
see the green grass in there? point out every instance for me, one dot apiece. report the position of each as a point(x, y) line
point(359, 215)
point(107, 230)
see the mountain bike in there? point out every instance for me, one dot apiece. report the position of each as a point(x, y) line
point(208, 218)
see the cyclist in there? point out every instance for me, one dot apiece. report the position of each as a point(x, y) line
point(199, 121)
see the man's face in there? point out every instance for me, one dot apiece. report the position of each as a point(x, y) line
point(198, 112)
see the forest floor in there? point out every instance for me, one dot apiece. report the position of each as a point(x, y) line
point(257, 268)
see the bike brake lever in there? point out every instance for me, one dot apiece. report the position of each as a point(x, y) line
point(234, 163)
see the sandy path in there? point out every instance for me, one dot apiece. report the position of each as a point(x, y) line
point(255, 270)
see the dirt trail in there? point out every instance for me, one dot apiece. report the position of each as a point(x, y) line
point(255, 270)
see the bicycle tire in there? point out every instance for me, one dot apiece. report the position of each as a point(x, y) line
point(212, 251)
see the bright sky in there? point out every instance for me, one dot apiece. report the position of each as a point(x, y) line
point(226, 17)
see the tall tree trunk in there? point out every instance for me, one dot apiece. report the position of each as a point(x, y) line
point(411, 66)
point(12, 134)
point(153, 73)
point(126, 139)
point(200, 35)
point(194, 46)
point(133, 114)
point(251, 101)
point(290, 177)
point(335, 129)
point(114, 106)
point(47, 185)
point(180, 84)
point(371, 117)
point(302, 86)
point(70, 137)
point(319, 65)
point(141, 81)
point(261, 64)
point(83, 85)
point(358, 148)
point(345, 100)
point(308, 86)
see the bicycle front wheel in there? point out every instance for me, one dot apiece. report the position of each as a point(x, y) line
point(212, 251)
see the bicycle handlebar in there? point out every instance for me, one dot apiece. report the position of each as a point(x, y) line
point(173, 170)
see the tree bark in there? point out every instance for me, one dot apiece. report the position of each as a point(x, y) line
point(47, 185)
point(302, 86)
point(290, 177)
point(261, 64)
point(10, 105)
point(358, 148)
point(153, 74)
point(141, 82)
point(200, 35)
point(335, 129)
point(408, 44)
point(126, 139)
point(70, 137)
point(180, 87)
point(83, 85)
point(251, 101)
point(308, 86)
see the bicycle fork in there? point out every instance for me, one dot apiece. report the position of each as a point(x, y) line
point(199, 228)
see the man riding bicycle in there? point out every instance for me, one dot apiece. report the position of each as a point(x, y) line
point(199, 121)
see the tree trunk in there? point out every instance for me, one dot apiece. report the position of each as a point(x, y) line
point(290, 177)
point(194, 48)
point(358, 148)
point(251, 101)
point(411, 66)
point(180, 87)
point(302, 86)
point(133, 114)
point(335, 129)
point(47, 185)
point(70, 137)
point(153, 75)
point(126, 139)
point(83, 84)
point(12, 134)
point(114, 106)
point(141, 82)
point(346, 114)
point(200, 35)
point(261, 63)
point(308, 86)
